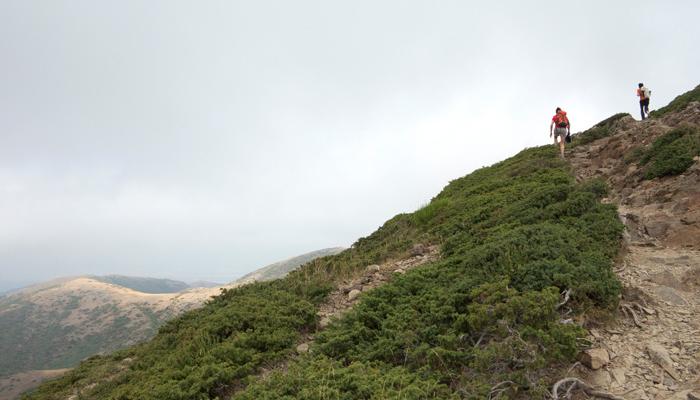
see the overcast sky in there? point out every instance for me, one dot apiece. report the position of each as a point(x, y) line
point(204, 139)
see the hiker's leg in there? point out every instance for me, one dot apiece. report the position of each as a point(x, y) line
point(562, 144)
point(641, 109)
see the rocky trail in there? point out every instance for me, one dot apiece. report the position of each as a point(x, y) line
point(651, 350)
point(345, 297)
point(347, 294)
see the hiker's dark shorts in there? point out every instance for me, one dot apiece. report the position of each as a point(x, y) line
point(644, 102)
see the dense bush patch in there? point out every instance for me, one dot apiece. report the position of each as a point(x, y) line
point(598, 131)
point(671, 153)
point(513, 236)
point(321, 378)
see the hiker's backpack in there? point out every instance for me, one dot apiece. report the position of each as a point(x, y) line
point(646, 92)
point(562, 120)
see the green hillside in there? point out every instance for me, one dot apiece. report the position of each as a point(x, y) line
point(144, 285)
point(513, 237)
point(282, 268)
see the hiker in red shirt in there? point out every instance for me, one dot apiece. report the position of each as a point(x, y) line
point(560, 127)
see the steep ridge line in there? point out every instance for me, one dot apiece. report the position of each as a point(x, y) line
point(654, 343)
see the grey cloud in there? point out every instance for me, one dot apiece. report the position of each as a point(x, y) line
point(203, 139)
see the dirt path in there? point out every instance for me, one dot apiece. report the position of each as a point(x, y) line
point(654, 342)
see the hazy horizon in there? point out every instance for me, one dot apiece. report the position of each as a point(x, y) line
point(201, 141)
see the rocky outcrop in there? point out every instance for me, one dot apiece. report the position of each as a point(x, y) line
point(654, 343)
point(662, 211)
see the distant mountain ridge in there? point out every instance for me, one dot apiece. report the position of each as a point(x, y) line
point(55, 324)
point(144, 285)
point(281, 268)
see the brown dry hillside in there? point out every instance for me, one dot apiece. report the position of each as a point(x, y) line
point(57, 325)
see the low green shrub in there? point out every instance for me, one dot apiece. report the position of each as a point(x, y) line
point(598, 131)
point(633, 155)
point(321, 378)
point(671, 153)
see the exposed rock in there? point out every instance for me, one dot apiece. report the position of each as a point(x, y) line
point(692, 277)
point(400, 271)
point(637, 394)
point(600, 379)
point(595, 358)
point(656, 229)
point(660, 270)
point(659, 355)
point(303, 348)
point(666, 278)
point(373, 268)
point(353, 294)
point(419, 250)
point(670, 295)
point(324, 322)
point(694, 395)
point(619, 375)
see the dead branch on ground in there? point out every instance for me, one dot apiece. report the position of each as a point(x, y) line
point(628, 310)
point(567, 296)
point(576, 383)
point(498, 389)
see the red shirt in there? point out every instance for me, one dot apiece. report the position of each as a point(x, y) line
point(560, 117)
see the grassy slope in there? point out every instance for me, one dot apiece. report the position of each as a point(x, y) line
point(678, 103)
point(514, 235)
point(144, 285)
point(281, 268)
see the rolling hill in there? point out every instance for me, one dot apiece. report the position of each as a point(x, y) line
point(56, 324)
point(280, 269)
point(144, 285)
